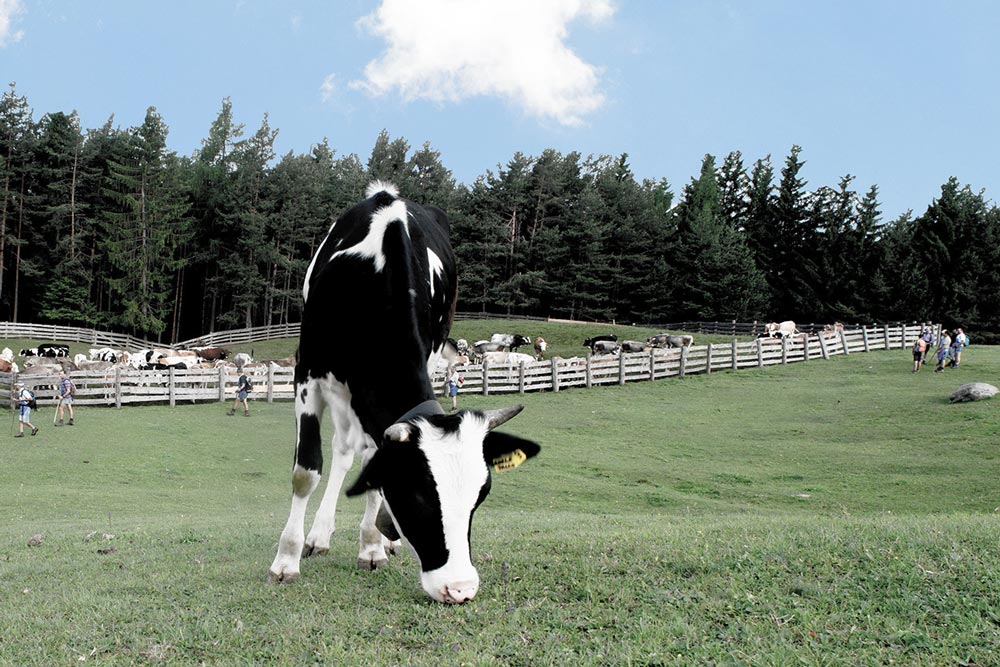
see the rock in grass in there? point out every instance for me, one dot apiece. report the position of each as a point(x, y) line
point(36, 540)
point(973, 391)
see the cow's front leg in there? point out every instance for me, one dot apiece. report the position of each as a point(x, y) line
point(318, 541)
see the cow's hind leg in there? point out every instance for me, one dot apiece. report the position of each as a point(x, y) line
point(306, 474)
point(345, 436)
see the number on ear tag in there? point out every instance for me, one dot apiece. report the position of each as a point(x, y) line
point(509, 461)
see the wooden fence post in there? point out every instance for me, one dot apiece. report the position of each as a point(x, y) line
point(885, 336)
point(652, 364)
point(684, 357)
point(760, 354)
point(736, 366)
point(822, 347)
point(589, 372)
point(805, 347)
point(520, 378)
point(621, 368)
point(708, 359)
point(118, 386)
point(270, 383)
point(784, 350)
point(486, 378)
point(843, 342)
point(555, 373)
point(864, 337)
point(170, 386)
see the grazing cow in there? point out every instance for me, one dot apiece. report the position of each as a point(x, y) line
point(481, 347)
point(53, 350)
point(782, 330)
point(212, 353)
point(28, 352)
point(104, 354)
point(589, 342)
point(501, 358)
point(634, 346)
point(605, 347)
point(670, 340)
point(510, 341)
point(425, 472)
point(540, 347)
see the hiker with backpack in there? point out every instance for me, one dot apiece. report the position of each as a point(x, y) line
point(25, 401)
point(66, 390)
point(243, 387)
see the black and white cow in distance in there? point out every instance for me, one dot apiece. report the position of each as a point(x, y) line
point(510, 341)
point(386, 273)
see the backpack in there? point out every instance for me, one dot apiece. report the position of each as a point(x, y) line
point(32, 403)
point(247, 384)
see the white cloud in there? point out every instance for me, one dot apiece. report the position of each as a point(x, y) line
point(328, 88)
point(9, 9)
point(448, 50)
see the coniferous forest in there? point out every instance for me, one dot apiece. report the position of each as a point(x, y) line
point(109, 228)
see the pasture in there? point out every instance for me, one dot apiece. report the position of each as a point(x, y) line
point(832, 513)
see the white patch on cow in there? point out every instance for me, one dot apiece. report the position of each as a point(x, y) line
point(436, 268)
point(370, 247)
point(376, 187)
point(459, 471)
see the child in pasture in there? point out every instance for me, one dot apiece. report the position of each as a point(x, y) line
point(242, 389)
point(66, 389)
point(451, 386)
point(24, 398)
point(928, 337)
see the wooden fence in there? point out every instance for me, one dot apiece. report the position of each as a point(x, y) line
point(117, 387)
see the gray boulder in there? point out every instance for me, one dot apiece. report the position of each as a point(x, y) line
point(973, 391)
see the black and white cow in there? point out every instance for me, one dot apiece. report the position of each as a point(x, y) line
point(53, 350)
point(510, 341)
point(591, 342)
point(385, 273)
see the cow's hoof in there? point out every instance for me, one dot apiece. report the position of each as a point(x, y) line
point(313, 550)
point(281, 577)
point(371, 565)
point(394, 547)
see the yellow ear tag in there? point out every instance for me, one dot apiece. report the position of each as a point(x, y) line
point(509, 461)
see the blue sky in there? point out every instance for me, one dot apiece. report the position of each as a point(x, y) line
point(903, 94)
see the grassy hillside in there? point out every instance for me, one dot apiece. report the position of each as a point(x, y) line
point(839, 512)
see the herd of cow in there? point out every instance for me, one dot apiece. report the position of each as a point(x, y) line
point(49, 358)
point(501, 348)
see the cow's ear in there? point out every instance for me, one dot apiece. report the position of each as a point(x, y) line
point(371, 477)
point(505, 452)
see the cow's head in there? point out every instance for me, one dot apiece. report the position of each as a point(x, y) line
point(433, 472)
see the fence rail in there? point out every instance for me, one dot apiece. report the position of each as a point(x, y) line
point(117, 386)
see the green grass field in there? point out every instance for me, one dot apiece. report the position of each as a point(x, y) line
point(838, 512)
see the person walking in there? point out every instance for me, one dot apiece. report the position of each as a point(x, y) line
point(919, 350)
point(943, 351)
point(928, 337)
point(243, 387)
point(25, 397)
point(66, 390)
point(957, 345)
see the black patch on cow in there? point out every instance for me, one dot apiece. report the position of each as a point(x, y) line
point(309, 450)
point(303, 394)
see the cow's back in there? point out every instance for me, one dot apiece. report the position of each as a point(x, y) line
point(379, 303)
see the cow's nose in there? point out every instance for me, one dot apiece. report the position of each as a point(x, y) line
point(460, 592)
